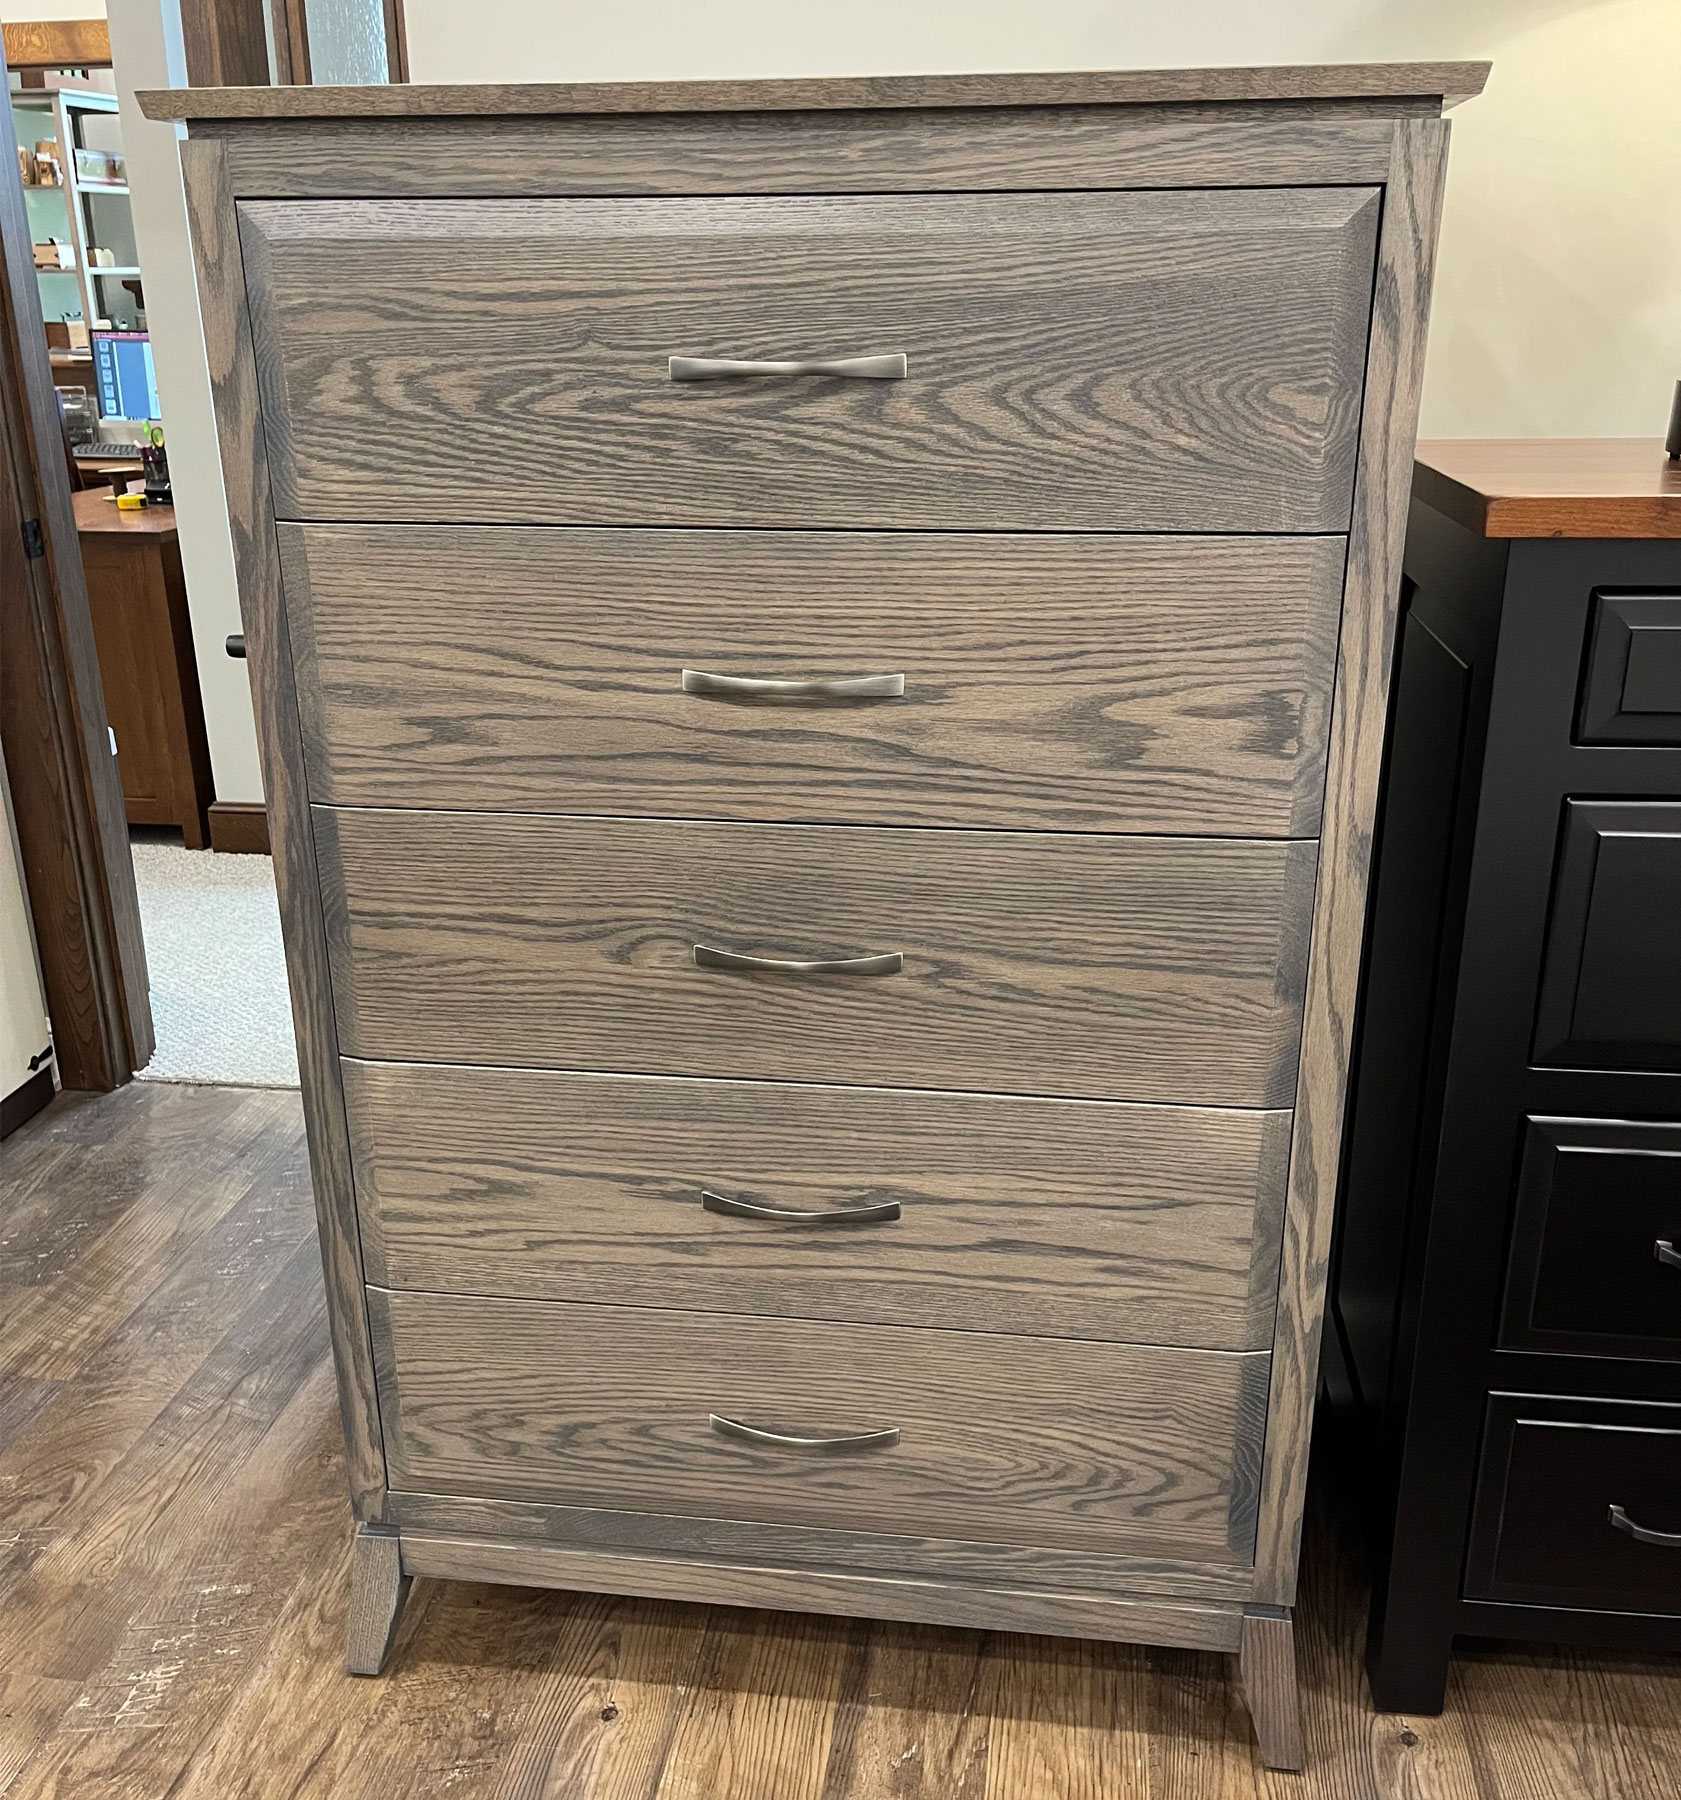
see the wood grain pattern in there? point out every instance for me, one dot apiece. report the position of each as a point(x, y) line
point(1552, 487)
point(1113, 361)
point(1064, 1218)
point(1449, 81)
point(1267, 1669)
point(210, 1659)
point(1081, 966)
point(1286, 144)
point(233, 377)
point(1401, 310)
point(1179, 1623)
point(956, 1562)
point(378, 1589)
point(1051, 683)
point(1007, 1439)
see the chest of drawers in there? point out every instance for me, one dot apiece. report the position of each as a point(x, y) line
point(821, 653)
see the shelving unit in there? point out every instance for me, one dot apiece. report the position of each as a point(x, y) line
point(87, 214)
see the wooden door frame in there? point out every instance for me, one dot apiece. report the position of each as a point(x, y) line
point(67, 797)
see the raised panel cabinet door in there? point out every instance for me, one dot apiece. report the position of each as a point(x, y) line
point(944, 1434)
point(1070, 1218)
point(1080, 966)
point(1043, 682)
point(1127, 361)
point(1631, 692)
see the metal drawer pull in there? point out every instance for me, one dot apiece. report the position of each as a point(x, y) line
point(890, 964)
point(759, 687)
point(879, 1212)
point(1668, 1540)
point(810, 1446)
point(1667, 1254)
point(856, 368)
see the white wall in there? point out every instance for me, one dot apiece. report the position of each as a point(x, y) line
point(1558, 307)
point(24, 1030)
point(15, 12)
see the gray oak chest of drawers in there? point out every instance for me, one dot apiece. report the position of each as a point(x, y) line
point(820, 651)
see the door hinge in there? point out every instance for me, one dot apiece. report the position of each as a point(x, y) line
point(34, 544)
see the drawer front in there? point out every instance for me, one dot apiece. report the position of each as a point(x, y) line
point(1611, 978)
point(1069, 1218)
point(1596, 1249)
point(1578, 1504)
point(1036, 1441)
point(1102, 361)
point(1082, 966)
point(1051, 683)
point(1631, 689)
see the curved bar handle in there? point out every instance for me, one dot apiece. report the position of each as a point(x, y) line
point(843, 1445)
point(1667, 1254)
point(880, 1212)
point(761, 687)
point(889, 964)
point(723, 368)
point(1667, 1540)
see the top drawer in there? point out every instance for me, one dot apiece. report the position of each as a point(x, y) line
point(1112, 361)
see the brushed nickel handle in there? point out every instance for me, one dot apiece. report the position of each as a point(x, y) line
point(1667, 1254)
point(760, 687)
point(879, 1212)
point(843, 1445)
point(855, 368)
point(1667, 1540)
point(889, 964)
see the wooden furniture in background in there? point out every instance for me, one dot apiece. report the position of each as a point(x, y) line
point(138, 600)
point(35, 45)
point(1137, 462)
point(1505, 1358)
point(67, 799)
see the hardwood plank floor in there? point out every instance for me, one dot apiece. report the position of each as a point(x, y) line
point(174, 1554)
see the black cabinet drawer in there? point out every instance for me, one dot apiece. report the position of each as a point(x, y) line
point(1596, 1249)
point(1611, 978)
point(1578, 1504)
point(1631, 688)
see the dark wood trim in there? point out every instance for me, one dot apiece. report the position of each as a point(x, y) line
point(66, 793)
point(226, 42)
point(396, 42)
point(25, 1101)
point(57, 44)
point(1444, 83)
point(239, 828)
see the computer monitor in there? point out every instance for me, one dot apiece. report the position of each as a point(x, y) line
point(122, 367)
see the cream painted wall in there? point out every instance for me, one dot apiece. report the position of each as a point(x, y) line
point(1558, 307)
point(23, 1007)
point(14, 12)
point(146, 52)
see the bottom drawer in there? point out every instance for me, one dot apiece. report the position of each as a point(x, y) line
point(1579, 1504)
point(1035, 1441)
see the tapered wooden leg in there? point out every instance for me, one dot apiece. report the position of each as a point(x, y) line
point(378, 1588)
point(1266, 1661)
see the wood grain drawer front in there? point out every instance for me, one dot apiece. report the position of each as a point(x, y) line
point(1083, 966)
point(1024, 1440)
point(1104, 361)
point(1578, 1504)
point(1049, 682)
point(1068, 1218)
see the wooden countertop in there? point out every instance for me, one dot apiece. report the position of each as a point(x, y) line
point(96, 510)
point(1446, 82)
point(1552, 487)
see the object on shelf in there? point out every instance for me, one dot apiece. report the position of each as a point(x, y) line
point(80, 419)
point(100, 168)
point(55, 255)
point(100, 258)
point(48, 164)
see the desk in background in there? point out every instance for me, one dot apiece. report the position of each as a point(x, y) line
point(139, 604)
point(1504, 1343)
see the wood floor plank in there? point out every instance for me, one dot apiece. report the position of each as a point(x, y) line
point(758, 1723)
point(1069, 1721)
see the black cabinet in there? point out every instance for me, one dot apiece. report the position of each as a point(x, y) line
point(1503, 1334)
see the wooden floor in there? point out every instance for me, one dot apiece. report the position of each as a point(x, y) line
point(174, 1539)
